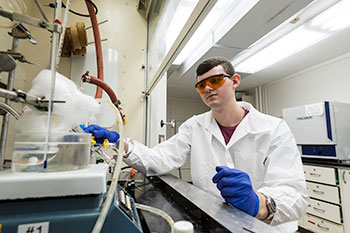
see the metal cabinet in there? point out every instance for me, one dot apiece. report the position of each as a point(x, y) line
point(329, 190)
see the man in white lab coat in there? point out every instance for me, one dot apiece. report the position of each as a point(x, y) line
point(248, 158)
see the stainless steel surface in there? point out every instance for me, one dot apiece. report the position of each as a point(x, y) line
point(5, 120)
point(229, 217)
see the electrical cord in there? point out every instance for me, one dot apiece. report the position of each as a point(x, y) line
point(126, 167)
point(53, 5)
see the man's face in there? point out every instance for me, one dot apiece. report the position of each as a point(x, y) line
point(215, 98)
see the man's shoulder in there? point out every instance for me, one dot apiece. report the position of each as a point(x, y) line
point(263, 122)
point(267, 117)
point(257, 114)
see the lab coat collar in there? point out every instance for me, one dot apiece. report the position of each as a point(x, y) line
point(209, 123)
point(254, 122)
point(251, 123)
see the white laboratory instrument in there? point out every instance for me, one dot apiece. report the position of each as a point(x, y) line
point(321, 130)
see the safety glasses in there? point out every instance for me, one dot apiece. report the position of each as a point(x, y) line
point(214, 82)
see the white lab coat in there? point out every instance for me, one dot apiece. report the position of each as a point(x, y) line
point(262, 146)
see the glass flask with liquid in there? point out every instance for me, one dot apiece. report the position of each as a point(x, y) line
point(64, 151)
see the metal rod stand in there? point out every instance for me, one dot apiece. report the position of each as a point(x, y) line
point(6, 117)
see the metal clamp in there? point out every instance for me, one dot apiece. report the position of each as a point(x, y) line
point(7, 63)
point(13, 16)
point(18, 56)
point(22, 97)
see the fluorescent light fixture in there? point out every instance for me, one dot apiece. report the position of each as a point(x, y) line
point(232, 9)
point(202, 30)
point(325, 24)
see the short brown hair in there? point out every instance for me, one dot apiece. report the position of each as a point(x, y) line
point(210, 63)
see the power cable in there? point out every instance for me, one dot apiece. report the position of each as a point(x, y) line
point(53, 5)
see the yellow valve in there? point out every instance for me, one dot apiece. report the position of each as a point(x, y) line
point(105, 143)
point(124, 121)
point(93, 142)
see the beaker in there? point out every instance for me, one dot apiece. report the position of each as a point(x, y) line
point(64, 151)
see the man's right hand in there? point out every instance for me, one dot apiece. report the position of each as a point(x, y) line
point(101, 134)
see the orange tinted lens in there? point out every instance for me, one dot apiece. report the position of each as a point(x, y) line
point(201, 87)
point(216, 82)
point(213, 82)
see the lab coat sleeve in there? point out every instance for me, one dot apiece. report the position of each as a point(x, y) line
point(165, 156)
point(284, 180)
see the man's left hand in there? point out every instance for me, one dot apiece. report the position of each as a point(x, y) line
point(236, 189)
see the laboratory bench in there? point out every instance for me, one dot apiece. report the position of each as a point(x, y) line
point(328, 184)
point(184, 201)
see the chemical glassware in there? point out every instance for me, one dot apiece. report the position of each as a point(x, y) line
point(65, 151)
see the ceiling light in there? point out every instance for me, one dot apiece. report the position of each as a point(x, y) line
point(221, 10)
point(321, 26)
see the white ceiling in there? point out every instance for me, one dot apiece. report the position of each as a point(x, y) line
point(181, 84)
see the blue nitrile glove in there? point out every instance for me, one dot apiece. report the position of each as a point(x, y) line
point(236, 189)
point(101, 134)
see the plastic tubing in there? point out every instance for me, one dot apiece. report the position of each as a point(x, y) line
point(105, 87)
point(98, 46)
point(158, 212)
point(101, 84)
point(110, 194)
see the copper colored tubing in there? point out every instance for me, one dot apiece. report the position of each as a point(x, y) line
point(106, 88)
point(98, 46)
point(101, 84)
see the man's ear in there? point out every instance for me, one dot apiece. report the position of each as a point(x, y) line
point(236, 80)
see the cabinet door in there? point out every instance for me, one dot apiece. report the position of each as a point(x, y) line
point(327, 175)
point(323, 192)
point(316, 224)
point(325, 210)
point(345, 192)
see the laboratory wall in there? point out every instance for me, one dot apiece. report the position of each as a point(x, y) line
point(328, 81)
point(182, 109)
point(125, 32)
